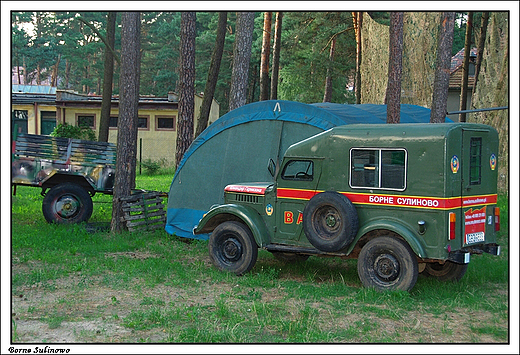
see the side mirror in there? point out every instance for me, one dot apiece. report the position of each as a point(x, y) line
point(271, 167)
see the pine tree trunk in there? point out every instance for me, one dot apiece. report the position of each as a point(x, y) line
point(241, 58)
point(327, 96)
point(264, 60)
point(442, 71)
point(186, 85)
point(214, 68)
point(465, 68)
point(108, 77)
point(128, 109)
point(480, 48)
point(358, 24)
point(276, 55)
point(395, 69)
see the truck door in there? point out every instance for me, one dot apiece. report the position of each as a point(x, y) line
point(296, 184)
point(479, 184)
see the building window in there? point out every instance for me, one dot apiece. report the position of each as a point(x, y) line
point(142, 123)
point(378, 168)
point(86, 121)
point(20, 118)
point(48, 122)
point(165, 123)
point(475, 161)
point(112, 122)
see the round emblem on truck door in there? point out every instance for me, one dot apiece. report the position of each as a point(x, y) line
point(269, 209)
point(493, 161)
point(455, 164)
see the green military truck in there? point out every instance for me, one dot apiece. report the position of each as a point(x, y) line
point(69, 172)
point(403, 199)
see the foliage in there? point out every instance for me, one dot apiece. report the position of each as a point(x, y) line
point(151, 167)
point(66, 130)
point(61, 40)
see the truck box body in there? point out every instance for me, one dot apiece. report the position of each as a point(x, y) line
point(46, 161)
point(404, 174)
point(73, 171)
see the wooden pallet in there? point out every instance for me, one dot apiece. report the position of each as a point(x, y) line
point(144, 211)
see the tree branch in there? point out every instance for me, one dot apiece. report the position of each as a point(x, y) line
point(95, 30)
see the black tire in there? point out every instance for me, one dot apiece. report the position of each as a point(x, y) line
point(67, 203)
point(330, 221)
point(289, 257)
point(449, 271)
point(387, 263)
point(232, 248)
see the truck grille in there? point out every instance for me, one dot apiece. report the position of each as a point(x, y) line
point(246, 198)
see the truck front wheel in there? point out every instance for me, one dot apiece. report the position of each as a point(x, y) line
point(67, 203)
point(449, 271)
point(232, 248)
point(387, 263)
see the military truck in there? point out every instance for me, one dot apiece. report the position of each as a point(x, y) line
point(403, 199)
point(69, 172)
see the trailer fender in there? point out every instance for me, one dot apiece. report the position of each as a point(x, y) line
point(233, 212)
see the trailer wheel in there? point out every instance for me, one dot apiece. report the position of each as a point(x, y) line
point(67, 203)
point(387, 263)
point(449, 271)
point(232, 248)
point(330, 221)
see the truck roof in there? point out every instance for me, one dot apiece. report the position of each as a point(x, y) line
point(380, 135)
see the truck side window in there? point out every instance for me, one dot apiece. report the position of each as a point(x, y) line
point(298, 170)
point(475, 161)
point(378, 168)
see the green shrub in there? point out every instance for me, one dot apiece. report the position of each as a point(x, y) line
point(151, 167)
point(65, 130)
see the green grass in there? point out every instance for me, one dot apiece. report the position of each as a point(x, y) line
point(164, 289)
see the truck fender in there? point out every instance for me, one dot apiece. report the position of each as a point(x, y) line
point(233, 212)
point(393, 226)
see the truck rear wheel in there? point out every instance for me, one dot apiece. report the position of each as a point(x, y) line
point(232, 248)
point(449, 271)
point(387, 263)
point(330, 221)
point(67, 203)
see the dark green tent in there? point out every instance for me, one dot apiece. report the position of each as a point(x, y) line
point(237, 148)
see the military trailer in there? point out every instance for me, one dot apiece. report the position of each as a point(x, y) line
point(403, 199)
point(69, 172)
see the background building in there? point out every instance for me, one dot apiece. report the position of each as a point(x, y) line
point(39, 109)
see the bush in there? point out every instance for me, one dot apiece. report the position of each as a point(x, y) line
point(151, 167)
point(65, 130)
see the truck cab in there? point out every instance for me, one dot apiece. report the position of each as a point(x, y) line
point(402, 199)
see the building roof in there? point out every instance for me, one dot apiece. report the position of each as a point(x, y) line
point(30, 94)
point(456, 71)
point(33, 89)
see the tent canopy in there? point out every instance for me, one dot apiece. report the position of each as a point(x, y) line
point(237, 148)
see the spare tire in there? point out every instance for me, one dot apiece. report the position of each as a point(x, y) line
point(330, 221)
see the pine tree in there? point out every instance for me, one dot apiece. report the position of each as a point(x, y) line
point(241, 58)
point(442, 71)
point(128, 107)
point(186, 85)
